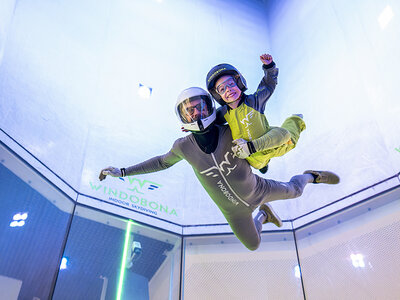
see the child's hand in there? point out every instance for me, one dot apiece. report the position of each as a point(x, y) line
point(240, 148)
point(266, 59)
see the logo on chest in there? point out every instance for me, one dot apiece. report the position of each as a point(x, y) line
point(246, 123)
point(246, 120)
point(225, 167)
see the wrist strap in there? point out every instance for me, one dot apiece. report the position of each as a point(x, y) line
point(269, 66)
point(123, 172)
point(251, 147)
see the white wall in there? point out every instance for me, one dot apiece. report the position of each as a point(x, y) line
point(165, 283)
point(339, 68)
point(70, 72)
point(6, 14)
point(353, 255)
point(68, 87)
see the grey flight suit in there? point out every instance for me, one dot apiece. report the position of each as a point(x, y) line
point(229, 181)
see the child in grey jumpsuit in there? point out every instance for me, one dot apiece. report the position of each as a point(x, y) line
point(228, 180)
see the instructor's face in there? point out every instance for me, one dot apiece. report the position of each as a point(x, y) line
point(195, 110)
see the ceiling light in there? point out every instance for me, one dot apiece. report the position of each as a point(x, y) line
point(19, 219)
point(17, 223)
point(357, 260)
point(144, 91)
point(385, 16)
point(297, 271)
point(64, 262)
point(20, 216)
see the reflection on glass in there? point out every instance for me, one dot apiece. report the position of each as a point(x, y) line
point(114, 258)
point(357, 260)
point(297, 271)
point(35, 220)
point(64, 263)
point(124, 259)
point(225, 269)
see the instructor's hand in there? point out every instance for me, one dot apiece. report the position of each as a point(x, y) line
point(114, 172)
point(241, 149)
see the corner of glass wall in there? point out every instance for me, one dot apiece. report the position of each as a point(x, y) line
point(220, 267)
point(53, 248)
point(108, 257)
point(353, 253)
point(34, 218)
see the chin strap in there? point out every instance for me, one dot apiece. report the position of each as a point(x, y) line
point(200, 124)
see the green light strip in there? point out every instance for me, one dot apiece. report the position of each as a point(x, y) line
point(123, 263)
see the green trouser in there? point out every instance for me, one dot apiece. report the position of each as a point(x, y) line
point(295, 125)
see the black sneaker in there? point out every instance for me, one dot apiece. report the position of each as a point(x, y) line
point(264, 170)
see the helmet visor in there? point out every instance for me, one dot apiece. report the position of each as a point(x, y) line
point(195, 108)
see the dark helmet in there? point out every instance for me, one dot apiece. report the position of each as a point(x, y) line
point(220, 70)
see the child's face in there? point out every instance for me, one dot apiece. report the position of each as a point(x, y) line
point(227, 88)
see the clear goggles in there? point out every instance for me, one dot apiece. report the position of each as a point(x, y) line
point(221, 88)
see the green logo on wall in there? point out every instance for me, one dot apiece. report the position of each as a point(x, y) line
point(132, 196)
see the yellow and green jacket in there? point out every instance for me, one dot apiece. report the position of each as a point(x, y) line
point(248, 121)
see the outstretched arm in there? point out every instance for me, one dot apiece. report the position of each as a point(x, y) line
point(151, 165)
point(268, 82)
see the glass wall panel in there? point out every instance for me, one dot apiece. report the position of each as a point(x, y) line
point(107, 257)
point(220, 267)
point(353, 254)
point(34, 219)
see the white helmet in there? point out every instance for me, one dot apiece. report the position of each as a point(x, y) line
point(195, 109)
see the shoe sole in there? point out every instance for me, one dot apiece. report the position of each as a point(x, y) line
point(331, 177)
point(272, 217)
